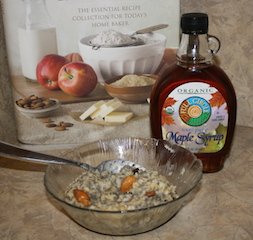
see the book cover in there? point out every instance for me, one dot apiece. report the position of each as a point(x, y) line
point(79, 31)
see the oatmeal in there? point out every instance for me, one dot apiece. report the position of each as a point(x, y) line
point(129, 189)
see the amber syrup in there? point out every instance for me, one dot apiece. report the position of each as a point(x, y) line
point(176, 76)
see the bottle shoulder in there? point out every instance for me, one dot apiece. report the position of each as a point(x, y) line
point(205, 72)
point(176, 76)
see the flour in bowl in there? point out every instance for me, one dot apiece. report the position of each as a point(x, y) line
point(111, 37)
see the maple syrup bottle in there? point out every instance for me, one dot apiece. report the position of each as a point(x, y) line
point(193, 104)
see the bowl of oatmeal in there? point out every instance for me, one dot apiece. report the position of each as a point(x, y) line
point(131, 88)
point(139, 57)
point(125, 199)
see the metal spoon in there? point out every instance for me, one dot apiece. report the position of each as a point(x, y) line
point(150, 29)
point(135, 40)
point(14, 152)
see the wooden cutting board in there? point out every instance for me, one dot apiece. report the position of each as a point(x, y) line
point(25, 87)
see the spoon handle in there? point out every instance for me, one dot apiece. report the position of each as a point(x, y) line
point(151, 28)
point(14, 152)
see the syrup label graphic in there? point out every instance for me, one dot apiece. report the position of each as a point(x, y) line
point(194, 115)
point(195, 111)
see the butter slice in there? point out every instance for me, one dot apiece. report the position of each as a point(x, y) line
point(91, 110)
point(106, 109)
point(118, 117)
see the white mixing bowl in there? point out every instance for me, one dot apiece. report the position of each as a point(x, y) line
point(109, 62)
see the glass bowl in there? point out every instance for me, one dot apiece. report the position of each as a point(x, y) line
point(179, 165)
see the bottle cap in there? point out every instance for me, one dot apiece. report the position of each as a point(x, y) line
point(194, 23)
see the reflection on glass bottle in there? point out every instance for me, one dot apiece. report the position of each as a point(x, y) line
point(37, 37)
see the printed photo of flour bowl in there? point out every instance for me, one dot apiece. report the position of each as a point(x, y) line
point(112, 53)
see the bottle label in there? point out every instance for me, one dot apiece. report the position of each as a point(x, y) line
point(194, 116)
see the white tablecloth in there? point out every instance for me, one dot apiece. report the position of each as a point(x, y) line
point(34, 131)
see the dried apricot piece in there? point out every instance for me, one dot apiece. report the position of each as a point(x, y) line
point(127, 183)
point(82, 197)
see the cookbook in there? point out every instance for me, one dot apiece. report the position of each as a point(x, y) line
point(64, 57)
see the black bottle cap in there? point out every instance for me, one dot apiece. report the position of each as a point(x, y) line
point(194, 23)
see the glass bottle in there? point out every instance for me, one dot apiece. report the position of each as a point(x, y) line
point(193, 104)
point(36, 36)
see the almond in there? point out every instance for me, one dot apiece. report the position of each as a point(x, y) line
point(74, 57)
point(60, 128)
point(66, 124)
point(51, 125)
point(35, 102)
point(127, 183)
point(82, 197)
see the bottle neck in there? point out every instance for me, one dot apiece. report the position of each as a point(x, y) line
point(194, 51)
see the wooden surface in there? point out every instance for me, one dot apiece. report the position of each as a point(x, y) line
point(222, 208)
point(24, 87)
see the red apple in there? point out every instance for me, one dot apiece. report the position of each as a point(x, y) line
point(47, 70)
point(74, 57)
point(77, 79)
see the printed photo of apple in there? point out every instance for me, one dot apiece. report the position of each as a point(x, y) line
point(74, 57)
point(77, 79)
point(47, 70)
